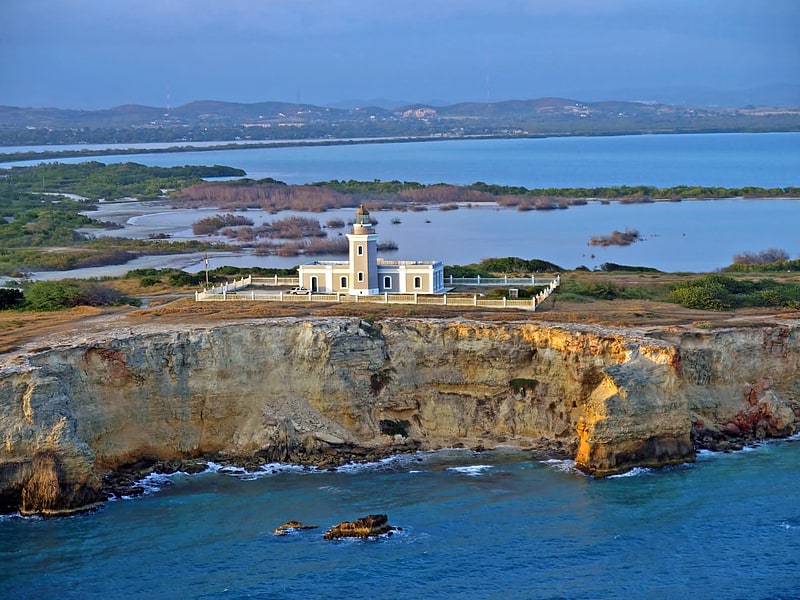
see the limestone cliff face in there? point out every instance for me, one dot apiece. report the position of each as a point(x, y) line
point(298, 389)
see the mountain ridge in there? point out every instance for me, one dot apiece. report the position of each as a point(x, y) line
point(216, 120)
point(241, 112)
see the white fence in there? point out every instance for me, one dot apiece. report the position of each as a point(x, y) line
point(531, 281)
point(226, 288)
point(230, 292)
point(275, 280)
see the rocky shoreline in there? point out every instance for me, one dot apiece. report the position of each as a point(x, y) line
point(89, 418)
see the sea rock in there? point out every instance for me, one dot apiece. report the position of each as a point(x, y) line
point(290, 526)
point(369, 526)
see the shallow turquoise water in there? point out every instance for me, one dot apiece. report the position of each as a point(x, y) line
point(488, 525)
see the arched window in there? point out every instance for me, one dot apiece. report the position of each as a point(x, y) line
point(360, 250)
point(343, 283)
point(387, 282)
point(417, 283)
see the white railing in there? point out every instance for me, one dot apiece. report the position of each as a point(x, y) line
point(230, 293)
point(275, 280)
point(224, 289)
point(532, 280)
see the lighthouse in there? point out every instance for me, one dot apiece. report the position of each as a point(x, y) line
point(363, 255)
point(364, 274)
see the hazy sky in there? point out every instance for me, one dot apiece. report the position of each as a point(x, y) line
point(103, 53)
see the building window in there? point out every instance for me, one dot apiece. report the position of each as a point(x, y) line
point(387, 283)
point(417, 283)
point(360, 250)
point(361, 275)
point(343, 283)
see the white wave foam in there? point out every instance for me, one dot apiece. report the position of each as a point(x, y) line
point(471, 470)
point(564, 465)
point(154, 483)
point(706, 454)
point(634, 472)
point(15, 515)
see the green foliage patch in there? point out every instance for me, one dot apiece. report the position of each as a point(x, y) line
point(95, 180)
point(494, 267)
point(721, 292)
point(178, 278)
point(11, 298)
point(610, 267)
point(68, 293)
point(575, 289)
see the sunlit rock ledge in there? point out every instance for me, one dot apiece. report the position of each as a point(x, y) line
point(328, 390)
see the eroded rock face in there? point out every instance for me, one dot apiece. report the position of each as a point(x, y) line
point(317, 391)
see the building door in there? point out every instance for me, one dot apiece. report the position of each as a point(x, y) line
point(314, 284)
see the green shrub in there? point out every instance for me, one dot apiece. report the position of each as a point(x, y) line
point(721, 292)
point(149, 280)
point(708, 297)
point(58, 295)
point(51, 295)
point(609, 266)
point(10, 299)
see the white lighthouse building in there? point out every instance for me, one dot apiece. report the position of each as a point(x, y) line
point(366, 274)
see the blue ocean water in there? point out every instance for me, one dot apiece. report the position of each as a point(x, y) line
point(490, 525)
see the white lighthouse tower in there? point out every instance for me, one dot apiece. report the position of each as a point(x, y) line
point(363, 255)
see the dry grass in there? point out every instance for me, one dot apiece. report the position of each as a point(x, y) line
point(166, 305)
point(19, 328)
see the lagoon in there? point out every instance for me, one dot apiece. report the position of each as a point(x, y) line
point(687, 236)
point(694, 236)
point(726, 160)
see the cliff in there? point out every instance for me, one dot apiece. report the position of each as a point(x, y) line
point(326, 390)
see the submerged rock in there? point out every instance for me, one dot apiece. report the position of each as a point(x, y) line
point(290, 526)
point(369, 526)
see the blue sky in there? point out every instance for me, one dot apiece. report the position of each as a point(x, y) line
point(101, 53)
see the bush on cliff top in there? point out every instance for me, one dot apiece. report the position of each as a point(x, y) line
point(67, 293)
point(720, 292)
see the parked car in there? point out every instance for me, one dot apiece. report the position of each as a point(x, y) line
point(299, 290)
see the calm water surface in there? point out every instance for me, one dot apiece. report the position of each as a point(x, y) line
point(728, 160)
point(696, 236)
point(687, 236)
point(490, 525)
